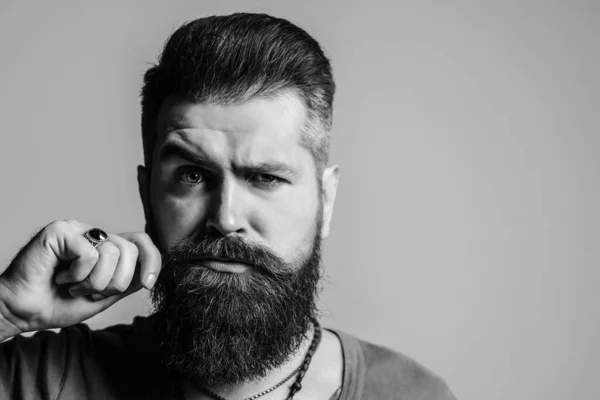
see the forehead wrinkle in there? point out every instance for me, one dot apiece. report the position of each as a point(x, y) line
point(242, 154)
point(186, 138)
point(256, 155)
point(274, 163)
point(182, 118)
point(181, 114)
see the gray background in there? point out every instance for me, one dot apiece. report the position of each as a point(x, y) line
point(466, 232)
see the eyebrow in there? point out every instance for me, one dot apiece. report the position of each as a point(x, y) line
point(175, 124)
point(173, 149)
point(269, 168)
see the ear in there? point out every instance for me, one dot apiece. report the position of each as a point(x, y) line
point(143, 178)
point(329, 187)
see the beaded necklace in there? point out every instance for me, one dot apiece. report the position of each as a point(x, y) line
point(301, 371)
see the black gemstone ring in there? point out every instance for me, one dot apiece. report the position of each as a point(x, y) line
point(96, 236)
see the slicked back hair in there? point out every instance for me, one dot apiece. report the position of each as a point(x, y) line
point(235, 58)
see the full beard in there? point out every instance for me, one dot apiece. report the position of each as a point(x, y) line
point(219, 327)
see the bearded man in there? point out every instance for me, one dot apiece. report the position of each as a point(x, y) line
point(238, 195)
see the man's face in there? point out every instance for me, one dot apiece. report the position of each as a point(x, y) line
point(235, 205)
point(235, 170)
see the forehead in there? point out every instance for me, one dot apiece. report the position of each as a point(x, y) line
point(264, 122)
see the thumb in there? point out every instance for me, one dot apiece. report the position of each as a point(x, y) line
point(86, 306)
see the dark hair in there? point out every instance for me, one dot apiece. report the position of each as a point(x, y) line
point(234, 58)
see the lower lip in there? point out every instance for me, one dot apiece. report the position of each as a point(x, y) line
point(224, 266)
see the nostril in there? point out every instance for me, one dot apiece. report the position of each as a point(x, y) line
point(225, 223)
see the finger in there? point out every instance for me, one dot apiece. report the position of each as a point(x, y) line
point(126, 267)
point(56, 245)
point(93, 306)
point(69, 245)
point(80, 268)
point(101, 274)
point(79, 227)
point(107, 301)
point(149, 258)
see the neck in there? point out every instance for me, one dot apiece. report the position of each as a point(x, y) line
point(250, 388)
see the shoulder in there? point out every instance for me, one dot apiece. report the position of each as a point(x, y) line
point(60, 364)
point(115, 351)
point(388, 374)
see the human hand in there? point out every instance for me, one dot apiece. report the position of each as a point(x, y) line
point(59, 279)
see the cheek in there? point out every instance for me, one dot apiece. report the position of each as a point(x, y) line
point(290, 222)
point(176, 218)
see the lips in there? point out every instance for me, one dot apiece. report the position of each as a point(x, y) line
point(228, 265)
point(222, 259)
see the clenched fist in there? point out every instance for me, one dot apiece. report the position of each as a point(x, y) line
point(59, 279)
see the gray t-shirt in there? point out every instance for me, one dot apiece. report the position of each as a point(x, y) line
point(120, 362)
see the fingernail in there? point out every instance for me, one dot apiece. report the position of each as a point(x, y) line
point(149, 281)
point(97, 296)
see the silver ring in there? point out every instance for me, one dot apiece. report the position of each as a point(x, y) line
point(96, 236)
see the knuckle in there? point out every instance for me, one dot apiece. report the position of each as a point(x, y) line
point(142, 237)
point(95, 285)
point(79, 275)
point(110, 250)
point(133, 250)
point(56, 226)
point(89, 257)
point(100, 286)
point(92, 256)
point(51, 233)
point(117, 287)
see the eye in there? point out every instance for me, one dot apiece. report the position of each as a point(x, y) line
point(191, 177)
point(266, 180)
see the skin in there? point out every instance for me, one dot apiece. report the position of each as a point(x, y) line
point(59, 279)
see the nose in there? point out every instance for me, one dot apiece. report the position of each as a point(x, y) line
point(226, 214)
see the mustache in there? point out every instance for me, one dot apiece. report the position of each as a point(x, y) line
point(191, 250)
